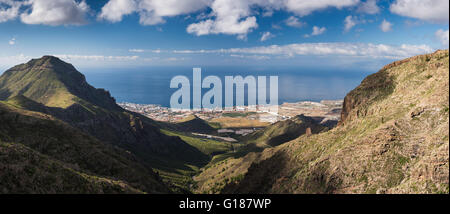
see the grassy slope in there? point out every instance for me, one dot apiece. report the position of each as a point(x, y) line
point(189, 124)
point(283, 131)
point(180, 174)
point(393, 139)
point(54, 83)
point(237, 122)
point(238, 114)
point(53, 87)
point(162, 151)
point(229, 167)
point(177, 173)
point(206, 146)
point(59, 143)
point(24, 170)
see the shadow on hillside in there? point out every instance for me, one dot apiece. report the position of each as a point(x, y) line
point(275, 175)
point(260, 176)
point(129, 131)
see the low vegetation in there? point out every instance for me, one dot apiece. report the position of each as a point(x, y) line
point(238, 122)
point(393, 138)
point(68, 137)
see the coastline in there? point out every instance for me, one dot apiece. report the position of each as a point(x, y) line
point(325, 111)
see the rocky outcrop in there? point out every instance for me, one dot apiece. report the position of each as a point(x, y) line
point(392, 138)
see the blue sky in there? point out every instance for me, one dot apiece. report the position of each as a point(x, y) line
point(344, 34)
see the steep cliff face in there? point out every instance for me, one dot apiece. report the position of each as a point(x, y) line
point(374, 87)
point(393, 138)
point(380, 85)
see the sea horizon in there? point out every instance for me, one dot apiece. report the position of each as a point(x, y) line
point(245, 100)
point(151, 85)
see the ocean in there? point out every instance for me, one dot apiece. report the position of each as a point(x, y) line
point(151, 85)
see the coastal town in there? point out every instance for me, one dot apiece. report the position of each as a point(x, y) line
point(326, 112)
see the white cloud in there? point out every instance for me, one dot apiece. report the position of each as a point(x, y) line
point(172, 7)
point(386, 26)
point(9, 61)
point(352, 21)
point(151, 12)
point(351, 51)
point(137, 50)
point(428, 10)
point(231, 18)
point(55, 12)
point(189, 51)
point(90, 60)
point(276, 26)
point(255, 57)
point(12, 41)
point(9, 10)
point(325, 49)
point(414, 23)
point(266, 36)
point(369, 7)
point(442, 36)
point(235, 17)
point(174, 59)
point(96, 57)
point(294, 22)
point(268, 13)
point(114, 10)
point(316, 31)
point(157, 51)
point(349, 22)
point(306, 7)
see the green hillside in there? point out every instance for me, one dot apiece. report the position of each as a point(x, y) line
point(228, 167)
point(56, 89)
point(25, 171)
point(189, 124)
point(284, 131)
point(92, 110)
point(58, 134)
point(57, 158)
point(393, 138)
point(54, 83)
